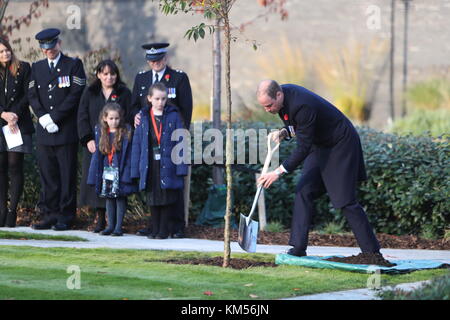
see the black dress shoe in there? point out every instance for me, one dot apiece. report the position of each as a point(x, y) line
point(117, 234)
point(162, 236)
point(143, 232)
point(45, 225)
point(178, 235)
point(296, 252)
point(61, 227)
point(106, 232)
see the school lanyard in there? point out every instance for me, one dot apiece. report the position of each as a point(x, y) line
point(157, 132)
point(111, 154)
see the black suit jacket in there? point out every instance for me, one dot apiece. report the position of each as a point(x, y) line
point(15, 97)
point(92, 102)
point(59, 95)
point(180, 93)
point(323, 132)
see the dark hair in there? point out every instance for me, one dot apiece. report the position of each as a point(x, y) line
point(157, 86)
point(14, 64)
point(105, 145)
point(272, 89)
point(97, 84)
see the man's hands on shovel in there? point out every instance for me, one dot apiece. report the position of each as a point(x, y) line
point(267, 179)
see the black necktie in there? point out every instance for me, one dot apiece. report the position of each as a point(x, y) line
point(52, 67)
point(156, 78)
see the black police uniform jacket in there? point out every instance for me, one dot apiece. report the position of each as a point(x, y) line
point(179, 92)
point(320, 128)
point(58, 94)
point(14, 97)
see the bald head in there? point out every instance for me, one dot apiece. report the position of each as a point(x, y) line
point(268, 87)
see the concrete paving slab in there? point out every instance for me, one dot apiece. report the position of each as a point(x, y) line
point(358, 294)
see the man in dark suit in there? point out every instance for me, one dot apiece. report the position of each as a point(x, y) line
point(179, 94)
point(330, 150)
point(55, 88)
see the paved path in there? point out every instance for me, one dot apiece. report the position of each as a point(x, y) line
point(129, 241)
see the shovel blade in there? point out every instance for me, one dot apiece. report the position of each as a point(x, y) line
point(248, 233)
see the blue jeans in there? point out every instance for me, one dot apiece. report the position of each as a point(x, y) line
point(115, 210)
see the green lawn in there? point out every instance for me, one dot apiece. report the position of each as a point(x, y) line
point(41, 273)
point(35, 236)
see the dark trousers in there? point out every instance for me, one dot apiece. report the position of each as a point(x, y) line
point(58, 175)
point(163, 220)
point(311, 187)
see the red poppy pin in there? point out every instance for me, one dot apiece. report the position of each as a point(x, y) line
point(167, 77)
point(286, 118)
point(113, 97)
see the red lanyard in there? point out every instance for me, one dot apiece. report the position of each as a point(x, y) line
point(111, 154)
point(157, 132)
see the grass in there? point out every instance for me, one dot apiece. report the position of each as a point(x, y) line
point(41, 273)
point(34, 236)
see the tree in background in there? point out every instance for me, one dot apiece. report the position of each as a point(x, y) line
point(10, 23)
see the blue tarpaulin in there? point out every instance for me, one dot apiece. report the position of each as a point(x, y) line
point(402, 266)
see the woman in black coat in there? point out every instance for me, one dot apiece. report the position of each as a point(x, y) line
point(15, 115)
point(107, 87)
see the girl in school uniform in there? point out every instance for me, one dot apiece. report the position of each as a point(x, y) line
point(110, 166)
point(151, 160)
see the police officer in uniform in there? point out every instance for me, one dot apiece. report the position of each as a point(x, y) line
point(330, 150)
point(55, 88)
point(179, 94)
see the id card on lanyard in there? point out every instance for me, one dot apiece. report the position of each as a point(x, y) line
point(158, 133)
point(110, 183)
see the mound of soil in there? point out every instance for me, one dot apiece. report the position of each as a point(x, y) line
point(218, 262)
point(364, 258)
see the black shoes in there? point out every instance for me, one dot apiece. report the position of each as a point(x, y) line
point(178, 235)
point(296, 252)
point(106, 232)
point(61, 227)
point(144, 232)
point(44, 225)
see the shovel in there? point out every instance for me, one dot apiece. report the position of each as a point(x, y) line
point(248, 228)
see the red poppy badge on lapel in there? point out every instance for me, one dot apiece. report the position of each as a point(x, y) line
point(113, 97)
point(167, 77)
point(286, 118)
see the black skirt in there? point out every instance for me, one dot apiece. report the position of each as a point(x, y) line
point(88, 196)
point(156, 196)
point(26, 147)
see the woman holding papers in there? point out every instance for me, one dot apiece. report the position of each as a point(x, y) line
point(17, 128)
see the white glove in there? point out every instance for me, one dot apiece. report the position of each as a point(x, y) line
point(45, 120)
point(52, 128)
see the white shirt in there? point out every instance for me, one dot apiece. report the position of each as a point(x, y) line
point(55, 62)
point(160, 75)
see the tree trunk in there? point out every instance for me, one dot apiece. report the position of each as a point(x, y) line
point(229, 144)
point(216, 101)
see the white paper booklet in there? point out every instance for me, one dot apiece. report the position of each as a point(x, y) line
point(12, 139)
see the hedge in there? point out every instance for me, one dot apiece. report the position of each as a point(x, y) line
point(407, 190)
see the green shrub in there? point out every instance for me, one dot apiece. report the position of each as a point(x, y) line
point(333, 228)
point(274, 226)
point(436, 289)
point(419, 122)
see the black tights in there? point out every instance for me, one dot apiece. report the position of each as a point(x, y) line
point(11, 164)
